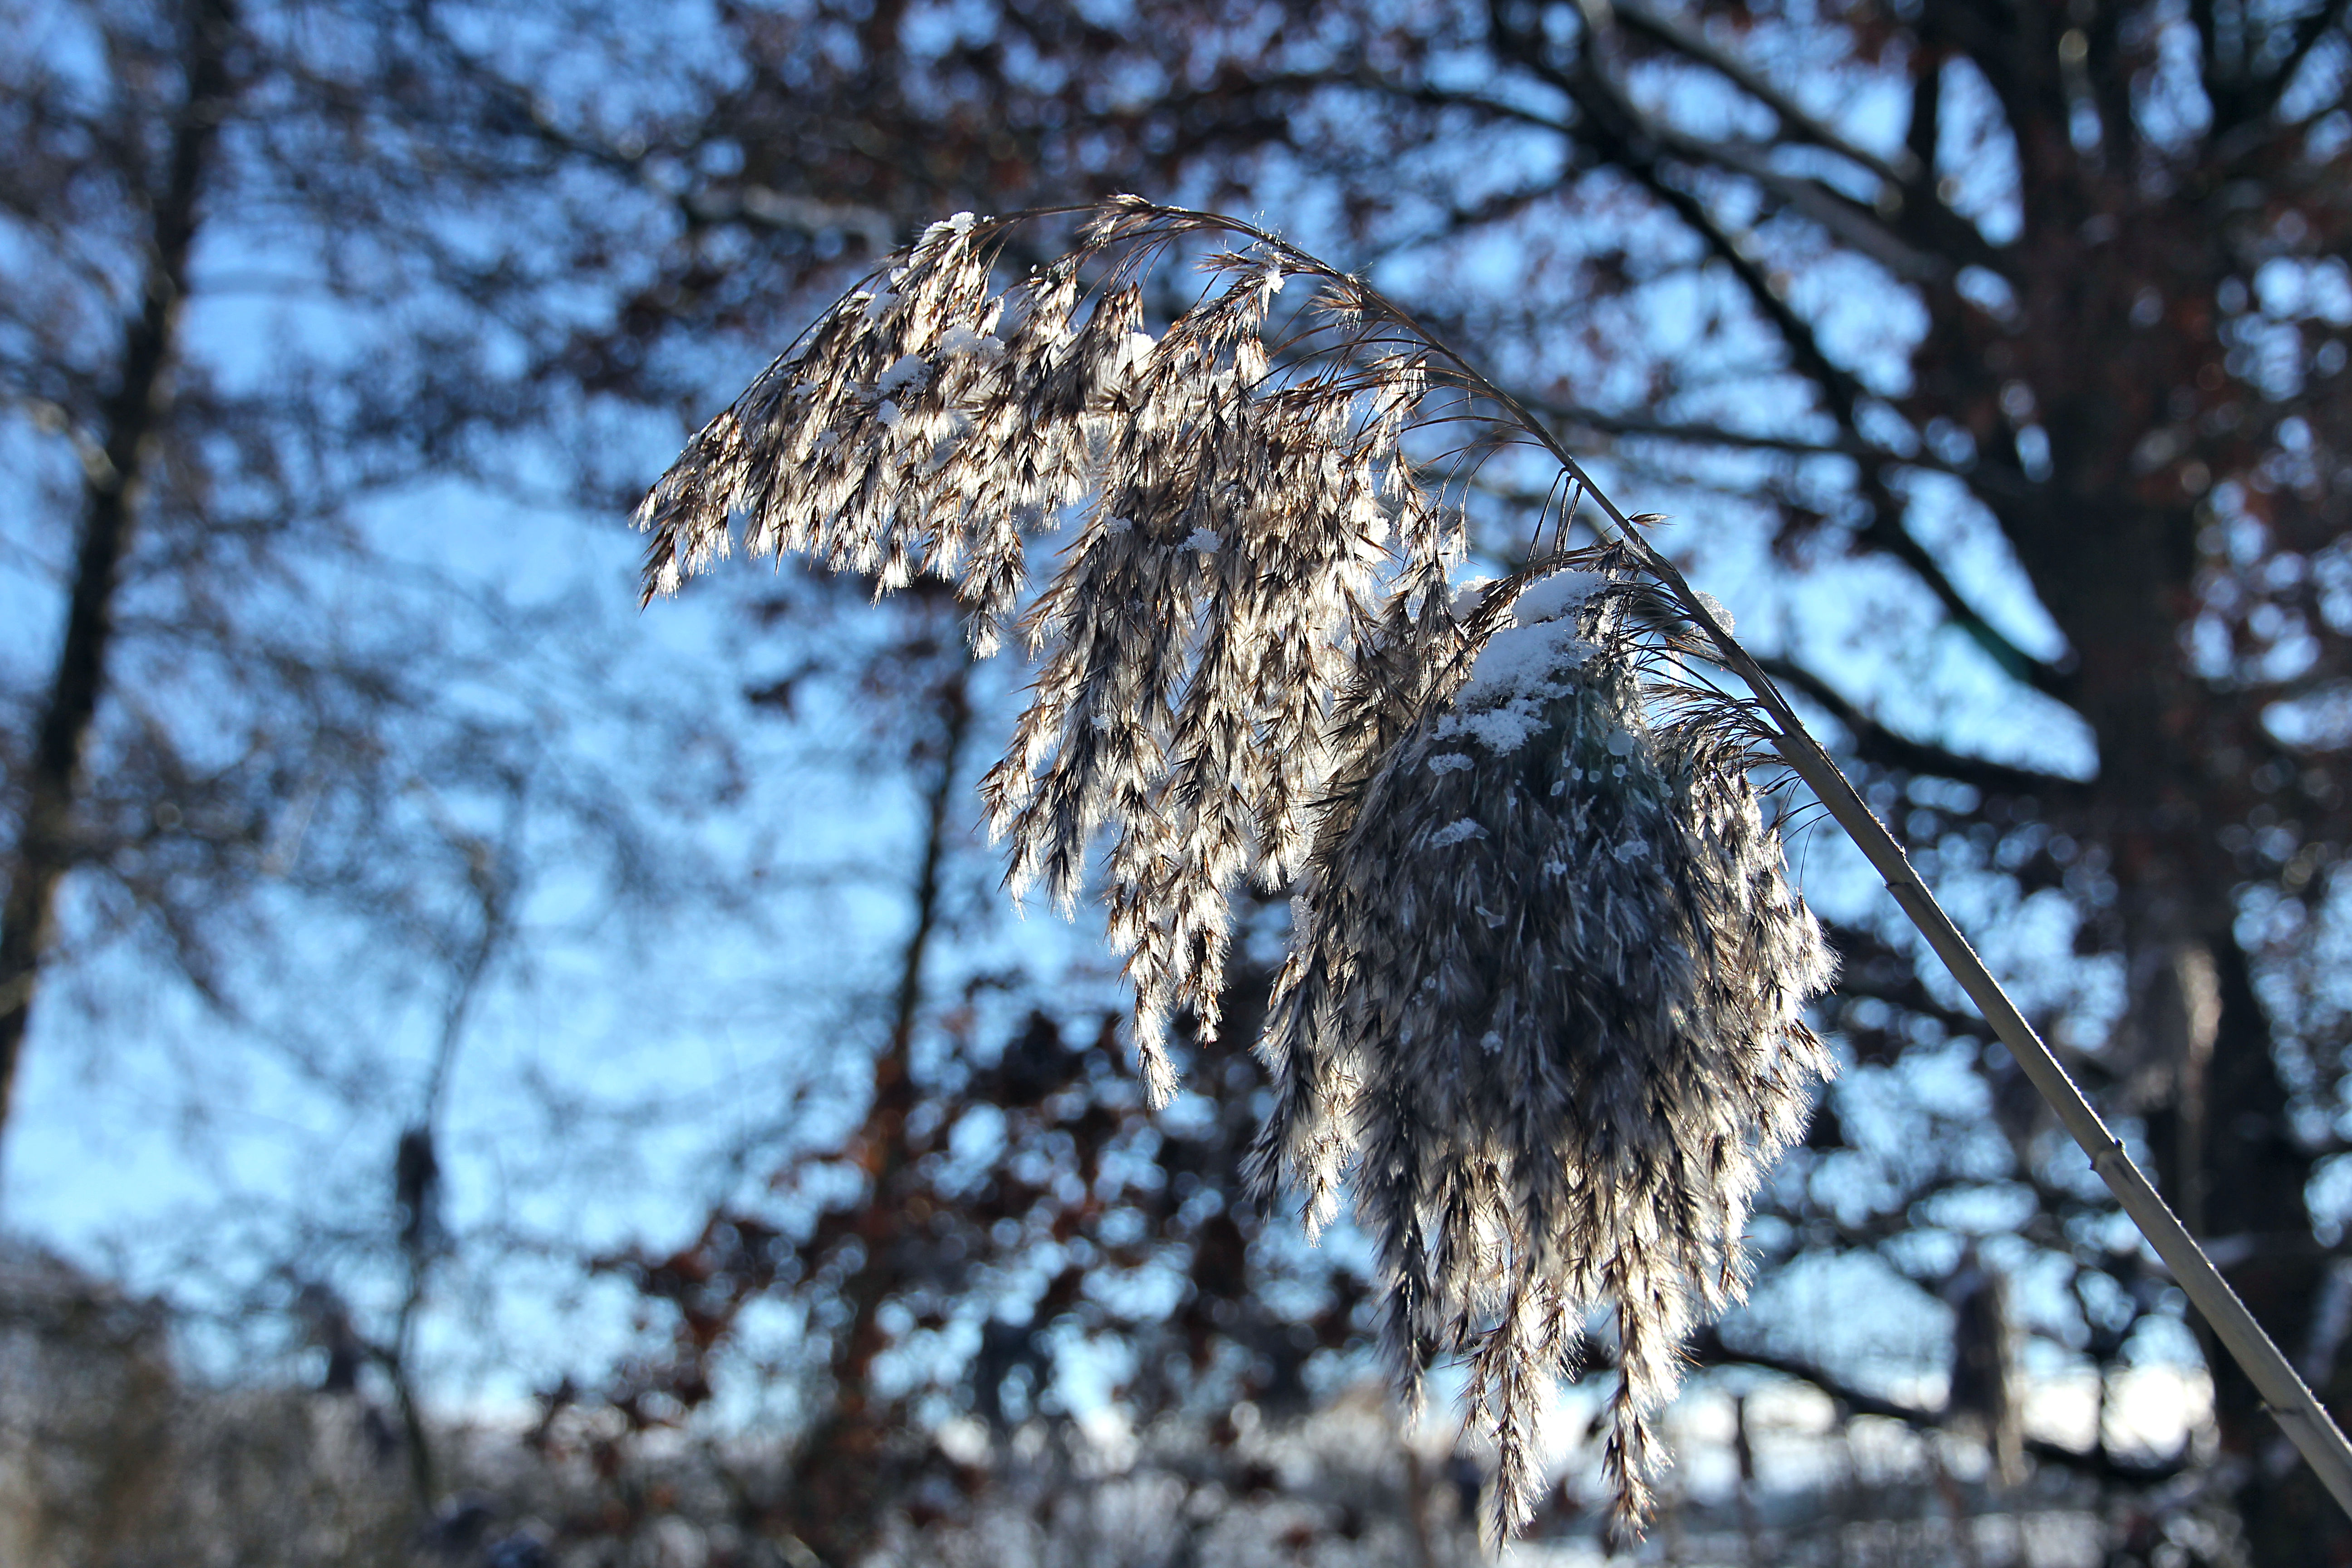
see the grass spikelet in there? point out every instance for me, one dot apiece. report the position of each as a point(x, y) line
point(1542, 1014)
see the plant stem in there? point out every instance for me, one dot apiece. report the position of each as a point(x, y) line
point(2291, 1402)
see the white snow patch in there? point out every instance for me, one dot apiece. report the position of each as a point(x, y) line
point(906, 370)
point(1135, 352)
point(1466, 596)
point(1501, 731)
point(1450, 763)
point(1554, 597)
point(1520, 661)
point(1713, 606)
point(1453, 833)
point(880, 303)
point(960, 224)
point(1540, 642)
point(1519, 671)
point(1525, 665)
point(960, 340)
point(889, 414)
point(1204, 540)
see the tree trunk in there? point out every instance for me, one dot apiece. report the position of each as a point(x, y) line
point(840, 1483)
point(2198, 1049)
point(44, 848)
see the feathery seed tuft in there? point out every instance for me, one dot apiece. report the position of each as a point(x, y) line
point(1543, 1009)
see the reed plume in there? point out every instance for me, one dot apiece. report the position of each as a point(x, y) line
point(1542, 1010)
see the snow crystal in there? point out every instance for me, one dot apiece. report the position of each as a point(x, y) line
point(960, 340)
point(960, 224)
point(1713, 606)
point(905, 370)
point(1466, 596)
point(1631, 850)
point(1453, 833)
point(1450, 763)
point(1555, 597)
point(1204, 540)
point(1491, 1042)
point(1118, 525)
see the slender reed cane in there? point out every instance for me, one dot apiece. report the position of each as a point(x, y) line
point(2288, 1399)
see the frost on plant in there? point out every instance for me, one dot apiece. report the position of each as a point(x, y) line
point(1542, 1009)
point(1544, 1006)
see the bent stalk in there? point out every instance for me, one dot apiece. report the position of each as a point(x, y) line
point(2298, 1412)
point(2290, 1401)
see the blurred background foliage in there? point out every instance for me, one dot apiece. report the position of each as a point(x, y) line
point(494, 1079)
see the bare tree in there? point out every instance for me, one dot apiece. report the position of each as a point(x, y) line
point(230, 730)
point(280, 784)
point(115, 462)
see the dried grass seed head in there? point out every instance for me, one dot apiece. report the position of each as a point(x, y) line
point(1544, 1006)
point(1544, 999)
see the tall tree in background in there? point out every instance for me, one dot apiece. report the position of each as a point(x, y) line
point(244, 325)
point(2114, 231)
point(116, 455)
point(288, 761)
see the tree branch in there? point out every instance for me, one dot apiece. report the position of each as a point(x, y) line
point(1624, 136)
point(1606, 424)
point(1875, 743)
point(1846, 444)
point(1640, 19)
point(1708, 1349)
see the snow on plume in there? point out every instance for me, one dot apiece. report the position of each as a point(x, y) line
point(1542, 1013)
point(1524, 664)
